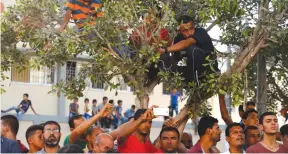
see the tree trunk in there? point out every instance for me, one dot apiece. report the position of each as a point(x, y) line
point(261, 83)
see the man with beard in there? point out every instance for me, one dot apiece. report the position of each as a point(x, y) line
point(34, 138)
point(269, 125)
point(169, 140)
point(235, 138)
point(51, 136)
point(78, 126)
point(209, 132)
point(103, 143)
point(133, 138)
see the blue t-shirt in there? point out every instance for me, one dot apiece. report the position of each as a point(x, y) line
point(129, 113)
point(174, 99)
point(9, 146)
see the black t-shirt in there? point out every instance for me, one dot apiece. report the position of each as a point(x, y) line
point(203, 41)
point(25, 105)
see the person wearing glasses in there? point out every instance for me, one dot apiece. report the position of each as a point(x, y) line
point(51, 136)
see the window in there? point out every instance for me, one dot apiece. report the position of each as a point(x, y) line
point(20, 75)
point(70, 70)
point(98, 85)
point(44, 75)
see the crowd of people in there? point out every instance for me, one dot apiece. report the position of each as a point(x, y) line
point(253, 134)
point(110, 122)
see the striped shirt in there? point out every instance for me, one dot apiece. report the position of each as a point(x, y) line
point(84, 11)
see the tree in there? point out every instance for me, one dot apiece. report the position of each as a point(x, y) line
point(276, 75)
point(245, 24)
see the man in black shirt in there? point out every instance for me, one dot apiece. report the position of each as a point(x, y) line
point(195, 44)
point(22, 107)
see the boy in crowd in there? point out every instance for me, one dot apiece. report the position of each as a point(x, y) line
point(86, 109)
point(269, 125)
point(22, 108)
point(174, 98)
point(34, 138)
point(129, 113)
point(74, 108)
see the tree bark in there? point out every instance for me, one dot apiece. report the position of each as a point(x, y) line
point(261, 83)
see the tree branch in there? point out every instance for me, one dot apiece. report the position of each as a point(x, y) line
point(214, 23)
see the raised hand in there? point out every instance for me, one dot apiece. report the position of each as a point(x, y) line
point(170, 123)
point(148, 115)
point(107, 110)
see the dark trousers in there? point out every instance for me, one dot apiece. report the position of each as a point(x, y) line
point(105, 123)
point(194, 71)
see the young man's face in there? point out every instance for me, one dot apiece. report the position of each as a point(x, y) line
point(25, 97)
point(75, 101)
point(51, 135)
point(252, 120)
point(94, 103)
point(36, 140)
point(270, 124)
point(132, 109)
point(105, 101)
point(145, 128)
point(252, 137)
point(236, 137)
point(216, 133)
point(169, 141)
point(187, 29)
point(120, 104)
point(86, 102)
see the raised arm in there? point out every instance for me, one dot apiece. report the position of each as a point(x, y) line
point(81, 129)
point(127, 130)
point(179, 46)
point(224, 113)
point(116, 132)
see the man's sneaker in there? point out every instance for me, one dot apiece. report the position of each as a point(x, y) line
point(2, 111)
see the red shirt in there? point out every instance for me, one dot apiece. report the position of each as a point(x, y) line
point(23, 149)
point(159, 151)
point(136, 39)
point(133, 145)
